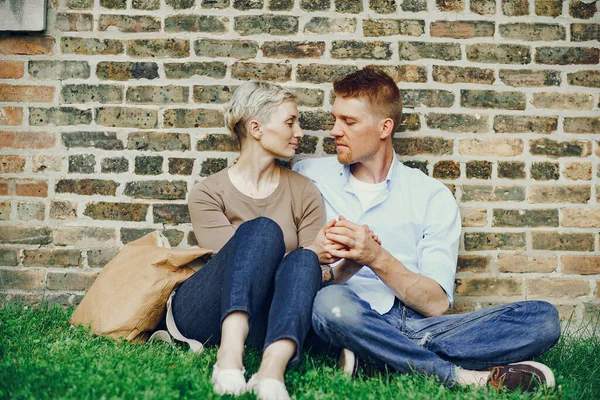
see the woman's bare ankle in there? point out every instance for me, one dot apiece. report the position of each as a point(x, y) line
point(229, 358)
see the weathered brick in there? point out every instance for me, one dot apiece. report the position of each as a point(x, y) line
point(316, 121)
point(27, 211)
point(446, 170)
point(128, 23)
point(31, 188)
point(23, 279)
point(315, 5)
point(148, 165)
point(158, 141)
point(82, 163)
point(74, 22)
point(453, 74)
point(563, 101)
point(105, 94)
point(567, 55)
point(587, 78)
point(488, 287)
point(391, 27)
point(87, 187)
point(483, 7)
point(458, 123)
point(450, 5)
point(578, 171)
point(580, 218)
point(218, 142)
point(275, 49)
point(274, 72)
point(211, 69)
point(71, 280)
point(309, 97)
point(9, 258)
point(499, 53)
point(477, 241)
point(27, 93)
point(499, 147)
point(142, 118)
point(492, 99)
point(181, 166)
point(472, 263)
point(427, 98)
point(321, 73)
point(116, 211)
point(271, 24)
point(98, 140)
point(171, 214)
point(462, 29)
point(548, 8)
point(524, 124)
point(353, 49)
point(532, 32)
point(123, 71)
point(556, 287)
point(11, 163)
point(114, 165)
point(157, 94)
point(411, 51)
point(383, 6)
point(196, 23)
point(348, 6)
point(214, 94)
point(585, 32)
point(545, 171)
point(553, 148)
point(414, 5)
point(79, 4)
point(511, 169)
point(215, 3)
point(5, 208)
point(25, 235)
point(84, 236)
point(530, 78)
point(180, 4)
point(582, 124)
point(324, 25)
point(281, 5)
point(63, 210)
point(11, 116)
point(158, 48)
point(307, 145)
point(409, 122)
point(98, 258)
point(193, 118)
point(473, 216)
point(516, 263)
point(514, 8)
point(580, 265)
point(248, 4)
point(52, 258)
point(479, 169)
point(582, 9)
point(48, 70)
point(411, 146)
point(91, 46)
point(488, 193)
point(26, 45)
point(213, 165)
point(114, 4)
point(405, 73)
point(157, 190)
point(572, 194)
point(525, 218)
point(59, 116)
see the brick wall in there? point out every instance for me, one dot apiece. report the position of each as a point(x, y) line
point(109, 117)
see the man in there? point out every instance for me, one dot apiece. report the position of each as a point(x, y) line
point(389, 293)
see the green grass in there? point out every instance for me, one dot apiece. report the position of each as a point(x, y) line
point(41, 357)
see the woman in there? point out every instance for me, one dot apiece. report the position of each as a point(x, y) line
point(261, 220)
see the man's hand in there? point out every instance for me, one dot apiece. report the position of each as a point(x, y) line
point(360, 243)
point(322, 246)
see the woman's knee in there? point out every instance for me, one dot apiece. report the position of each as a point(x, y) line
point(261, 228)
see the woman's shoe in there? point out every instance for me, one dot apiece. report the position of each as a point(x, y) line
point(268, 389)
point(228, 381)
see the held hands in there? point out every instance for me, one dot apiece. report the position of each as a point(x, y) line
point(322, 246)
point(358, 243)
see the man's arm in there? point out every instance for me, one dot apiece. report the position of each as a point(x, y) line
point(339, 273)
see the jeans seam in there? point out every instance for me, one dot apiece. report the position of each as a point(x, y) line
point(234, 309)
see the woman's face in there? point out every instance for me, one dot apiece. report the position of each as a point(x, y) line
point(281, 134)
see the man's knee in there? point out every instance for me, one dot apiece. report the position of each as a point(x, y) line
point(336, 306)
point(549, 317)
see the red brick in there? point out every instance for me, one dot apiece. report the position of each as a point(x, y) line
point(26, 140)
point(3, 188)
point(11, 69)
point(26, 93)
point(581, 265)
point(523, 264)
point(26, 45)
point(11, 116)
point(10, 164)
point(31, 188)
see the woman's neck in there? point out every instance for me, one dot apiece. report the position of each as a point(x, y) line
point(259, 175)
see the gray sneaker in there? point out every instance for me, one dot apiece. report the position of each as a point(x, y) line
point(526, 375)
point(348, 362)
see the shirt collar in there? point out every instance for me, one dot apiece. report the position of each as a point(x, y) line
point(344, 173)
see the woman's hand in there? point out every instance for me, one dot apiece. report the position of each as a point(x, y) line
point(323, 246)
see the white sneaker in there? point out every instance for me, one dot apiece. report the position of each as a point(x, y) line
point(268, 389)
point(228, 381)
point(348, 362)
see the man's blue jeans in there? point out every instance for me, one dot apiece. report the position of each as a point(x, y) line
point(251, 274)
point(408, 342)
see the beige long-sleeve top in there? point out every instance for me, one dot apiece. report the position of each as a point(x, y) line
point(217, 208)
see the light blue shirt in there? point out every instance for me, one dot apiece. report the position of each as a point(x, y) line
point(416, 218)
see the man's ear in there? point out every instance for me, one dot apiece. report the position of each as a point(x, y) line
point(254, 129)
point(387, 128)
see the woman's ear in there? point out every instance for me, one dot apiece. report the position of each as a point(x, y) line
point(387, 128)
point(255, 130)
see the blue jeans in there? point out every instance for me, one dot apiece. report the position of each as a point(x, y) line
point(251, 274)
point(409, 342)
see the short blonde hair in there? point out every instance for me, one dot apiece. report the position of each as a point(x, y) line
point(253, 100)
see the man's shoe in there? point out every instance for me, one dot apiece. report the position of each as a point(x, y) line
point(526, 375)
point(348, 362)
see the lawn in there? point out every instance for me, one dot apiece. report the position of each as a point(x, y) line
point(41, 357)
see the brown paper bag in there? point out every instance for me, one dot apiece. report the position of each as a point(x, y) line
point(128, 298)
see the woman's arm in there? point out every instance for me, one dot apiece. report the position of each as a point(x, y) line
point(211, 226)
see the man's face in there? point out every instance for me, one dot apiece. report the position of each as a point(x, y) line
point(356, 130)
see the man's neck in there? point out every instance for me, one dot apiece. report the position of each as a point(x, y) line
point(374, 170)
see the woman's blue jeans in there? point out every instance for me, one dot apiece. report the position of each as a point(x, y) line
point(408, 342)
point(251, 274)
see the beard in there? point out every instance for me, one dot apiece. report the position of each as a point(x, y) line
point(345, 156)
